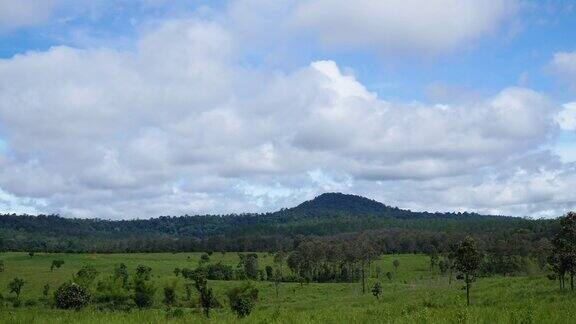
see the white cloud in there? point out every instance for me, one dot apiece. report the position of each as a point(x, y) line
point(22, 13)
point(428, 27)
point(567, 117)
point(179, 126)
point(563, 64)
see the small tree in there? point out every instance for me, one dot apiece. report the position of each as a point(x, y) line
point(121, 273)
point(188, 291)
point(249, 263)
point(279, 258)
point(204, 258)
point(56, 264)
point(46, 290)
point(207, 299)
point(377, 290)
point(170, 295)
point(143, 289)
point(378, 272)
point(1, 266)
point(86, 275)
point(389, 275)
point(243, 299)
point(31, 254)
point(15, 287)
point(71, 296)
point(269, 272)
point(467, 263)
point(396, 264)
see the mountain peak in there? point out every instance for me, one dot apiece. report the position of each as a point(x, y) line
point(346, 203)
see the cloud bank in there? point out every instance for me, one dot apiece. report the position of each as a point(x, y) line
point(181, 124)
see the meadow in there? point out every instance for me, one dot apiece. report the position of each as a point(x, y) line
point(414, 295)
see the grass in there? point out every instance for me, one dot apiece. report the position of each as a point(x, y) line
point(415, 295)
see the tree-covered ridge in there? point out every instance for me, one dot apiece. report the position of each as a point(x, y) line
point(330, 214)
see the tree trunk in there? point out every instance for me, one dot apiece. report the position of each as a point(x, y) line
point(467, 291)
point(363, 278)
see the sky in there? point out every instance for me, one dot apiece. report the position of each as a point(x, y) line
point(140, 108)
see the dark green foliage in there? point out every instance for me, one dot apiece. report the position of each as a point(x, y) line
point(1, 266)
point(563, 254)
point(112, 293)
point(170, 295)
point(71, 296)
point(216, 271)
point(249, 264)
point(121, 273)
point(86, 275)
point(56, 264)
point(188, 291)
point(144, 290)
point(377, 290)
point(402, 231)
point(31, 254)
point(269, 272)
point(204, 258)
point(389, 275)
point(467, 262)
point(243, 299)
point(207, 299)
point(396, 264)
point(46, 290)
point(176, 272)
point(15, 287)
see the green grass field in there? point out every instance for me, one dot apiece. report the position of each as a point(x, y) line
point(415, 295)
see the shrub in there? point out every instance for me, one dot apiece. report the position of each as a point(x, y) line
point(377, 290)
point(45, 290)
point(56, 264)
point(243, 299)
point(71, 296)
point(112, 295)
point(86, 275)
point(143, 290)
point(207, 299)
point(143, 293)
point(170, 295)
point(15, 287)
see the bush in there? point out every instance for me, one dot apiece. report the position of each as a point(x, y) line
point(112, 295)
point(143, 293)
point(143, 289)
point(71, 296)
point(170, 295)
point(243, 299)
point(86, 275)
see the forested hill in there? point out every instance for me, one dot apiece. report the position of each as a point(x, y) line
point(328, 215)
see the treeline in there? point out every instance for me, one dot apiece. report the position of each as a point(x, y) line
point(329, 215)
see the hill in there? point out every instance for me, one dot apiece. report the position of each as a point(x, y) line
point(330, 214)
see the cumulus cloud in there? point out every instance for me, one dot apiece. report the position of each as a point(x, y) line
point(180, 125)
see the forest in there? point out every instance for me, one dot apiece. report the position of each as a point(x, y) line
point(330, 216)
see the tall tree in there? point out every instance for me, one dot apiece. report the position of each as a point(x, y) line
point(467, 262)
point(563, 257)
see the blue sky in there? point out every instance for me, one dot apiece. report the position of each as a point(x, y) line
point(139, 108)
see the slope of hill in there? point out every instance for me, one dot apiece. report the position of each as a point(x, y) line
point(327, 214)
